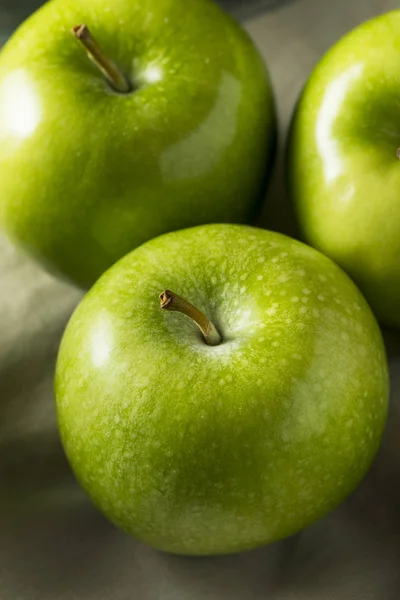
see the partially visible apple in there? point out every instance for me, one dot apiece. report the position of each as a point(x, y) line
point(344, 167)
point(206, 448)
point(88, 172)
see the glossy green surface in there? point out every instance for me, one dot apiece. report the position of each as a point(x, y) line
point(203, 450)
point(343, 168)
point(87, 174)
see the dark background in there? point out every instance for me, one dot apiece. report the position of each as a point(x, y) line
point(13, 12)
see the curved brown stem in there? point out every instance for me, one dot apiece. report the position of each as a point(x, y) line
point(115, 77)
point(171, 301)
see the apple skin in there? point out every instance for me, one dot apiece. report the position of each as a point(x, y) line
point(207, 450)
point(343, 171)
point(88, 174)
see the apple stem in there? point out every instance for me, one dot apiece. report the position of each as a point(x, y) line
point(173, 302)
point(118, 81)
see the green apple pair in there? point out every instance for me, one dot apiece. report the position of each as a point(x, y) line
point(255, 423)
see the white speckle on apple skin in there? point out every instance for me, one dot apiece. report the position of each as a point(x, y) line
point(200, 449)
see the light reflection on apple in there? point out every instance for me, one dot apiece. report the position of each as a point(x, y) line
point(153, 74)
point(198, 153)
point(101, 343)
point(20, 111)
point(331, 106)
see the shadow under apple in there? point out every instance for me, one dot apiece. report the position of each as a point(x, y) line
point(34, 310)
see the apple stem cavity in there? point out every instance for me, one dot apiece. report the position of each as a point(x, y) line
point(173, 302)
point(115, 77)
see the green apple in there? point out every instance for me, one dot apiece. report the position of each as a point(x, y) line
point(224, 439)
point(344, 168)
point(175, 129)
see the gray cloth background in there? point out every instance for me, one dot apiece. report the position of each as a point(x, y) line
point(55, 546)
